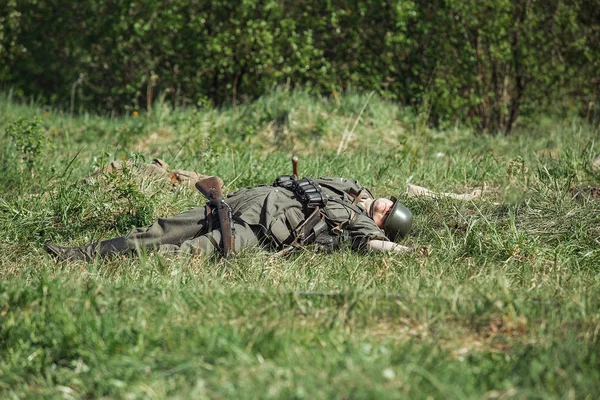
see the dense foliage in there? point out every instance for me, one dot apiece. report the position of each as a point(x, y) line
point(452, 60)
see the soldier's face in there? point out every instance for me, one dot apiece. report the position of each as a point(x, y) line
point(380, 210)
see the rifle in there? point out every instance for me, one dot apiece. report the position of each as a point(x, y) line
point(211, 188)
point(305, 233)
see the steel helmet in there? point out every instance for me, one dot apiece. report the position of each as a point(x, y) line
point(398, 222)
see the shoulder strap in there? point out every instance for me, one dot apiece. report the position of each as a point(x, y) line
point(353, 207)
point(343, 185)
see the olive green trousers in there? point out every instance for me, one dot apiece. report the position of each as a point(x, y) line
point(191, 232)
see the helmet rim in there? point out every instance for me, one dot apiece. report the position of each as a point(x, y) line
point(399, 221)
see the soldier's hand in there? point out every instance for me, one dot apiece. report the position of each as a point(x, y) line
point(424, 251)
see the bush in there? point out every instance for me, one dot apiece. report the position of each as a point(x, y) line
point(27, 138)
point(453, 60)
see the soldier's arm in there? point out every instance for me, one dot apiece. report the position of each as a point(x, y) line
point(386, 246)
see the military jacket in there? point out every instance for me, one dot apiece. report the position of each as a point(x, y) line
point(278, 213)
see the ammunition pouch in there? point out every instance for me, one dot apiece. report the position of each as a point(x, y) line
point(285, 180)
point(311, 195)
point(306, 190)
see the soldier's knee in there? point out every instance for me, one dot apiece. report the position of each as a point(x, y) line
point(199, 246)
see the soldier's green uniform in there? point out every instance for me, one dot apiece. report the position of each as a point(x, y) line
point(263, 215)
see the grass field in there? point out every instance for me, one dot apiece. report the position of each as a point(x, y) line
point(507, 305)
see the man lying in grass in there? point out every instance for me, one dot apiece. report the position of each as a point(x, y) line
point(288, 214)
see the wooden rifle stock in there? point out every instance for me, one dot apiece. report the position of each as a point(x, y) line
point(211, 188)
point(295, 166)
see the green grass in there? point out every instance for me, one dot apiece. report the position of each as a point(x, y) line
point(506, 306)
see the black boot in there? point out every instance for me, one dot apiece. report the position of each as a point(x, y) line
point(110, 247)
point(89, 252)
point(60, 253)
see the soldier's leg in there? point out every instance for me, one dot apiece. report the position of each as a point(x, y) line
point(209, 243)
point(172, 230)
point(164, 231)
